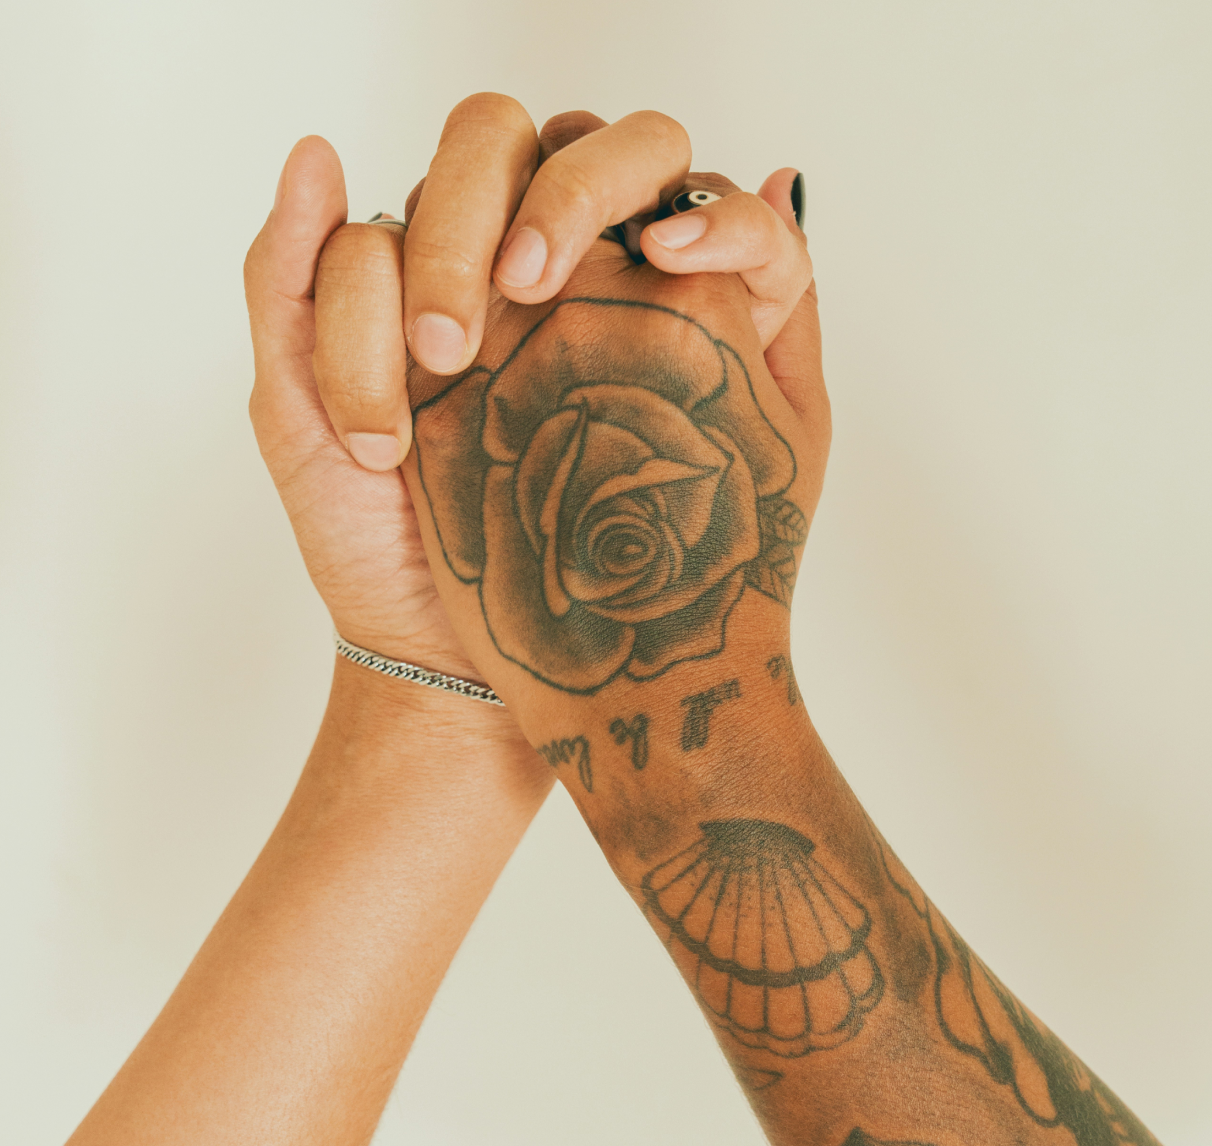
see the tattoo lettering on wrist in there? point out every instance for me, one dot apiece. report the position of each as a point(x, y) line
point(780, 665)
point(981, 1019)
point(696, 727)
point(637, 732)
point(612, 488)
point(774, 946)
point(574, 751)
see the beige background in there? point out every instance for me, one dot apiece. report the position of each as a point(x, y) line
point(1003, 628)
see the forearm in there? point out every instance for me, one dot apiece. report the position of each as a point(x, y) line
point(293, 1020)
point(850, 1010)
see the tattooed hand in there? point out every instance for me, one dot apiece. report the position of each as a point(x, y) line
point(330, 405)
point(617, 472)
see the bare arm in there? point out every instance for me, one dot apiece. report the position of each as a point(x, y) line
point(293, 1021)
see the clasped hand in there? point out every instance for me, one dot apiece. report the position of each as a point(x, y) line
point(354, 324)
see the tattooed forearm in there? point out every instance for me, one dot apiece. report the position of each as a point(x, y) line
point(574, 751)
point(781, 666)
point(982, 1020)
point(696, 726)
point(637, 732)
point(775, 947)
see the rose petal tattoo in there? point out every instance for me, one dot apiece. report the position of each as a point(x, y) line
point(612, 488)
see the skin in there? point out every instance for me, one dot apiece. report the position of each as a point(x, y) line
point(294, 1019)
point(932, 1048)
point(944, 1055)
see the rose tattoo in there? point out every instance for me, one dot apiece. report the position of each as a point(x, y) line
point(612, 487)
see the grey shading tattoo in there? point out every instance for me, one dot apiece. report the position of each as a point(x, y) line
point(857, 1137)
point(696, 726)
point(612, 488)
point(780, 666)
point(775, 947)
point(637, 732)
point(981, 1019)
point(574, 751)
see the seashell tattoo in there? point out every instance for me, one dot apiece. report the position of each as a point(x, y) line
point(775, 947)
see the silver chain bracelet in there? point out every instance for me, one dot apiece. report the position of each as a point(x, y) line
point(402, 670)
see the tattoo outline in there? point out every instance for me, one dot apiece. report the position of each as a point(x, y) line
point(611, 497)
point(775, 948)
point(858, 1137)
point(983, 1020)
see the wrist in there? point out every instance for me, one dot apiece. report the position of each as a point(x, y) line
point(368, 709)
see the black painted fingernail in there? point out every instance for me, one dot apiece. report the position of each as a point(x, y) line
point(797, 198)
point(375, 218)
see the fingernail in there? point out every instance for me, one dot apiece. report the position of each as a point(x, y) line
point(375, 218)
point(797, 199)
point(678, 231)
point(522, 262)
point(376, 452)
point(439, 343)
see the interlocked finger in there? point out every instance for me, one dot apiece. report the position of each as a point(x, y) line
point(739, 233)
point(359, 359)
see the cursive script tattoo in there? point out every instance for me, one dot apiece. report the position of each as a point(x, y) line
point(774, 946)
point(571, 751)
point(696, 727)
point(637, 732)
point(779, 665)
point(981, 1019)
point(611, 488)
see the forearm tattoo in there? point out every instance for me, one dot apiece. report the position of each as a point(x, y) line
point(774, 946)
point(612, 488)
point(982, 1020)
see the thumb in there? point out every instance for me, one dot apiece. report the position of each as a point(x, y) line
point(279, 277)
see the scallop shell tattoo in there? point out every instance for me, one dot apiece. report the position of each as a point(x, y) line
point(776, 948)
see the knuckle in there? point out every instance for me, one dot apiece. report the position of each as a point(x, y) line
point(666, 127)
point(357, 252)
point(354, 243)
point(493, 108)
point(442, 257)
point(573, 185)
point(355, 393)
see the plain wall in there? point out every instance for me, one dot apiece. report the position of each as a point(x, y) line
point(1003, 624)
